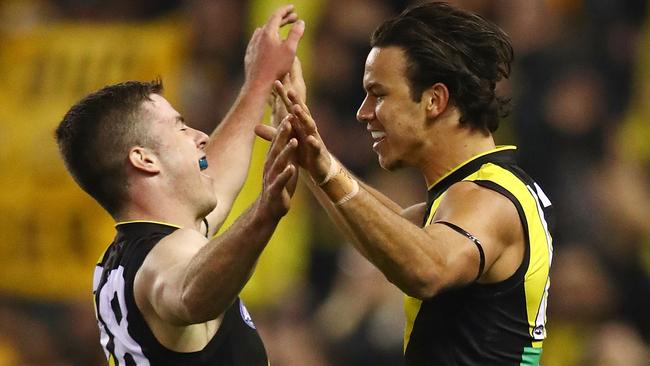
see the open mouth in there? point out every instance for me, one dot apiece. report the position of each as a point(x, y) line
point(377, 136)
point(203, 163)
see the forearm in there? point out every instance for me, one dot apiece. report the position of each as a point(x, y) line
point(401, 250)
point(218, 272)
point(332, 212)
point(389, 203)
point(392, 205)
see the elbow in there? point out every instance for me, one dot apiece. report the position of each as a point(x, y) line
point(422, 285)
point(195, 311)
point(191, 310)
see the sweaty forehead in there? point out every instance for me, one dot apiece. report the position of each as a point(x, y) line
point(384, 65)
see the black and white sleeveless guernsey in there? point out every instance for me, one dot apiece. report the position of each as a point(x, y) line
point(125, 336)
point(502, 323)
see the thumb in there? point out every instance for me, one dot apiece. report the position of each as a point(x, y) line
point(266, 132)
point(296, 32)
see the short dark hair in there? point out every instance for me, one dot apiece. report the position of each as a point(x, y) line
point(460, 49)
point(96, 134)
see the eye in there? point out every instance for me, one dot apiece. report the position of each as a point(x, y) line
point(378, 95)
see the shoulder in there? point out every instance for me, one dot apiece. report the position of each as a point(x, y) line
point(480, 207)
point(169, 253)
point(469, 198)
point(164, 263)
point(175, 247)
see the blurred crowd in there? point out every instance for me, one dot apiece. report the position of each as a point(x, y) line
point(580, 116)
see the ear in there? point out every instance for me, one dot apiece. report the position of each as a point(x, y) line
point(436, 98)
point(144, 159)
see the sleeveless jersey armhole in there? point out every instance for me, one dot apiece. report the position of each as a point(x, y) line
point(474, 240)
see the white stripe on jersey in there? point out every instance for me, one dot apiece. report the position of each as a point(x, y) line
point(123, 343)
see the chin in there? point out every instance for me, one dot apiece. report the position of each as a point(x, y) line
point(388, 164)
point(208, 206)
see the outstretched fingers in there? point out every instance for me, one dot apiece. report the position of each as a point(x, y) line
point(304, 121)
point(282, 174)
point(295, 99)
point(278, 186)
point(288, 19)
point(280, 140)
point(281, 91)
point(283, 159)
point(279, 17)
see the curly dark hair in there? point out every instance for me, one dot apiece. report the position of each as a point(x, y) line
point(96, 134)
point(462, 50)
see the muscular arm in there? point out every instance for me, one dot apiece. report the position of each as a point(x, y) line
point(187, 279)
point(230, 147)
point(421, 262)
point(200, 278)
point(335, 215)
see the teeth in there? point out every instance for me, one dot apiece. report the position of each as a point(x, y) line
point(377, 134)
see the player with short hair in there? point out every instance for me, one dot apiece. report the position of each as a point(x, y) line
point(166, 290)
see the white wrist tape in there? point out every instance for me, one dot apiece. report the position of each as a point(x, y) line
point(333, 171)
point(349, 196)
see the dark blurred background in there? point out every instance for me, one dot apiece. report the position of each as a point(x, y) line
point(581, 118)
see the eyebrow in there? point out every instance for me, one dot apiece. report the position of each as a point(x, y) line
point(372, 85)
point(180, 119)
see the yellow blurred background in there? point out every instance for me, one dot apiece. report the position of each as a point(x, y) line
point(580, 115)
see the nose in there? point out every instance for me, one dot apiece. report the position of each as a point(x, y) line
point(366, 111)
point(201, 139)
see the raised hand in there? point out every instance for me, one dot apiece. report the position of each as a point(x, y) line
point(312, 154)
point(292, 81)
point(280, 175)
point(268, 56)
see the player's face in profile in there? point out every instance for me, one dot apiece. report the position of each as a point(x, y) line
point(395, 121)
point(179, 149)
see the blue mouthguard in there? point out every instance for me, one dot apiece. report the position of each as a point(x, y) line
point(203, 163)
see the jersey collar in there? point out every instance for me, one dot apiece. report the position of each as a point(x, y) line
point(501, 154)
point(145, 226)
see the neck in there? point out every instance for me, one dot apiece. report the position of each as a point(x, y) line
point(158, 208)
point(139, 215)
point(448, 153)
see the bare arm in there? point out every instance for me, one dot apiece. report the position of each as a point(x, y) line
point(419, 261)
point(413, 213)
point(187, 279)
point(230, 147)
point(294, 83)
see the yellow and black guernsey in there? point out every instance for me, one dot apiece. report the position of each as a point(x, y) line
point(125, 336)
point(500, 323)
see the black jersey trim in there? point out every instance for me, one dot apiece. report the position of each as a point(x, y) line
point(125, 223)
point(207, 226)
point(504, 155)
point(481, 253)
point(518, 276)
